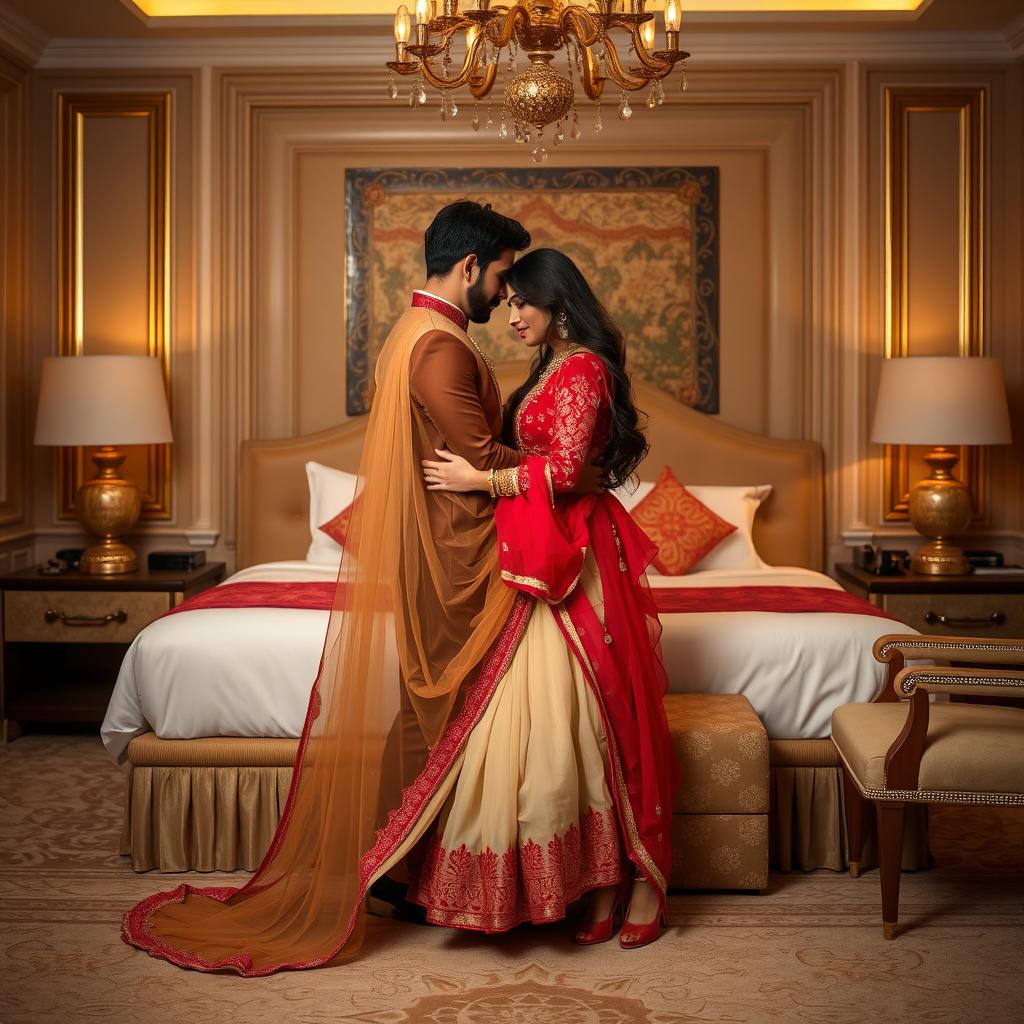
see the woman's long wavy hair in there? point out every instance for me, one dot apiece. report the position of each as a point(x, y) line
point(550, 280)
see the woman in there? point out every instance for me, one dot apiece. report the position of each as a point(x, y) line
point(575, 748)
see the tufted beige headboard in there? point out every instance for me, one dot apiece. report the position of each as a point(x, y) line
point(273, 498)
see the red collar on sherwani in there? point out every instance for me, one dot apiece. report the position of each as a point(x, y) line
point(427, 300)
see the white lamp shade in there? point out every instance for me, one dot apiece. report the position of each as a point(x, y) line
point(102, 400)
point(941, 400)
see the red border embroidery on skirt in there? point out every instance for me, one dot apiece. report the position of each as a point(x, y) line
point(492, 892)
point(135, 928)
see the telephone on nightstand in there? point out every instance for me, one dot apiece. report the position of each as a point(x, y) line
point(874, 559)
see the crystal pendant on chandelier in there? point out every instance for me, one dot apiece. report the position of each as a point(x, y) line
point(420, 94)
point(392, 86)
point(625, 110)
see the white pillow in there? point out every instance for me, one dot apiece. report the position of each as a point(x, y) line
point(330, 491)
point(736, 505)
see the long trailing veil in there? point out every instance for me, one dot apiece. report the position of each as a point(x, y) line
point(398, 689)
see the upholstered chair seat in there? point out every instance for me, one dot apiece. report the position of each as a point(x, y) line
point(905, 748)
point(969, 749)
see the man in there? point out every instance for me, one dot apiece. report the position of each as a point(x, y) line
point(468, 249)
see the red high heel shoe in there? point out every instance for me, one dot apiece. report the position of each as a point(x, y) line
point(633, 936)
point(601, 931)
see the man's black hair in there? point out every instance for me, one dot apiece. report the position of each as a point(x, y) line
point(465, 227)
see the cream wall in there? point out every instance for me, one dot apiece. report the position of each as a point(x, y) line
point(258, 158)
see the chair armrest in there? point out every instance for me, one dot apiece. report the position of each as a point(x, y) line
point(977, 650)
point(980, 681)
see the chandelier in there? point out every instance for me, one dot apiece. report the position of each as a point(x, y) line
point(493, 37)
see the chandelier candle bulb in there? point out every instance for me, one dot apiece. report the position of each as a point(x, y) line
point(647, 34)
point(402, 26)
point(673, 16)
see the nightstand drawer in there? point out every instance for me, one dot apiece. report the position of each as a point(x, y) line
point(960, 614)
point(101, 617)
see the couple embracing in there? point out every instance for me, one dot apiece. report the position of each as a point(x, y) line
point(487, 721)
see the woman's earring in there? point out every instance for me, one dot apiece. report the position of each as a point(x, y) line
point(562, 325)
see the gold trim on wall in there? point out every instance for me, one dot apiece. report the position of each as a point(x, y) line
point(73, 112)
point(970, 104)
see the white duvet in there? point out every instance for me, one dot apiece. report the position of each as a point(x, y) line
point(248, 671)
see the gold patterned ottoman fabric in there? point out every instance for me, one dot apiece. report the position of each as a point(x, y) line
point(720, 813)
point(723, 753)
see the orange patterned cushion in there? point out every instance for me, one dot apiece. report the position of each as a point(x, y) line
point(684, 528)
point(337, 528)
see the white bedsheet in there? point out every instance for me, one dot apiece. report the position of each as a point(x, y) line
point(793, 667)
point(248, 671)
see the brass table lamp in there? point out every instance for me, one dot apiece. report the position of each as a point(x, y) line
point(941, 401)
point(104, 401)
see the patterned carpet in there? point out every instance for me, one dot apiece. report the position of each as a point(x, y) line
point(809, 950)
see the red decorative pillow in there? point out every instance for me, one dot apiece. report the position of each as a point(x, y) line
point(337, 528)
point(684, 528)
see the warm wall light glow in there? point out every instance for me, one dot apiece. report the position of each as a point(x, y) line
point(647, 32)
point(323, 8)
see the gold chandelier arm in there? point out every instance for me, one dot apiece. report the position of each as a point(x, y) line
point(660, 68)
point(616, 72)
point(480, 87)
point(593, 83)
point(584, 28)
point(468, 64)
point(501, 35)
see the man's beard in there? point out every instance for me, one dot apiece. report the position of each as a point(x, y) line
point(480, 307)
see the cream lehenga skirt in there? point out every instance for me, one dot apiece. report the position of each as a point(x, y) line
point(528, 824)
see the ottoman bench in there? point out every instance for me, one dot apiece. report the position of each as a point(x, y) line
point(720, 813)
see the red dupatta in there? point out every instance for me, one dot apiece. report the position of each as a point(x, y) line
point(543, 546)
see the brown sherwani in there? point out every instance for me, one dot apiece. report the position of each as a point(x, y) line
point(455, 405)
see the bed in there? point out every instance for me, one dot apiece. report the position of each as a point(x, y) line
point(206, 715)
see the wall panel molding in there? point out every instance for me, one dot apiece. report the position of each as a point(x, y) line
point(14, 408)
point(81, 333)
point(276, 125)
point(962, 180)
point(367, 42)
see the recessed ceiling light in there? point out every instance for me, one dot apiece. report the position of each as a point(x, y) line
point(301, 8)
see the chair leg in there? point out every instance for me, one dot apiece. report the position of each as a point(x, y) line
point(856, 813)
point(890, 855)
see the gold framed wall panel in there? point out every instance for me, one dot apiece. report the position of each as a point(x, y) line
point(969, 105)
point(148, 465)
point(13, 454)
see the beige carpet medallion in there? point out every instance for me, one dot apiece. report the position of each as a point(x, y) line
point(808, 950)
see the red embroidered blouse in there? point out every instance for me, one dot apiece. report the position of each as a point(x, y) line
point(566, 417)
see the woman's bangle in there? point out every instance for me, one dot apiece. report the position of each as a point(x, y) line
point(506, 483)
point(490, 484)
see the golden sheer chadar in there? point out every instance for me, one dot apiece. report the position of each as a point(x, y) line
point(410, 644)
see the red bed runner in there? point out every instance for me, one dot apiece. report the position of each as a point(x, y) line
point(320, 597)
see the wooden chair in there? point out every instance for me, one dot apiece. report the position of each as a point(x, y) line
point(951, 753)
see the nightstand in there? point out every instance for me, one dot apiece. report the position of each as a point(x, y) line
point(968, 605)
point(64, 637)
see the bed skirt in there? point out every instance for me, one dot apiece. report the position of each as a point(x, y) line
point(213, 805)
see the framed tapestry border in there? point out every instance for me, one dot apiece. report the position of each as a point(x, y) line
point(698, 186)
